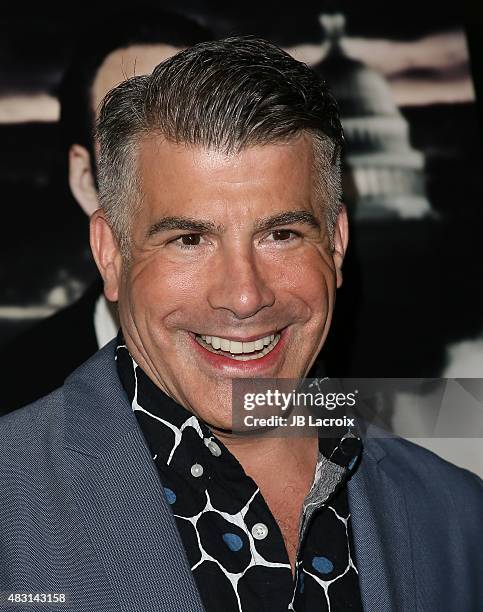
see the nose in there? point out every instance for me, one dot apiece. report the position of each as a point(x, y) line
point(238, 284)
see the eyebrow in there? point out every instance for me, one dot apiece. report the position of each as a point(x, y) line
point(287, 218)
point(205, 226)
point(183, 223)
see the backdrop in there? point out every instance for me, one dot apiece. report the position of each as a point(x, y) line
point(405, 78)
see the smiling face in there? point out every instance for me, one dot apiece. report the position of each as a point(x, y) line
point(231, 272)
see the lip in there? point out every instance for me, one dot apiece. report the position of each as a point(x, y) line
point(253, 367)
point(245, 338)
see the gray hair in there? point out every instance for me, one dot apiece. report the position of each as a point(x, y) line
point(223, 95)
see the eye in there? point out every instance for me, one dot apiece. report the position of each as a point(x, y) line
point(190, 239)
point(187, 241)
point(282, 234)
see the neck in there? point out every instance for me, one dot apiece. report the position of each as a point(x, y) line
point(263, 456)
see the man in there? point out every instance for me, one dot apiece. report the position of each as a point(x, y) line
point(130, 43)
point(222, 237)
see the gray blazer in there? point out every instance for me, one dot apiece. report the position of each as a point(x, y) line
point(82, 513)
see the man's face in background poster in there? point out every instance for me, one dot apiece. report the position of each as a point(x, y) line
point(119, 65)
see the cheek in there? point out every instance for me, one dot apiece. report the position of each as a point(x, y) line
point(310, 279)
point(161, 290)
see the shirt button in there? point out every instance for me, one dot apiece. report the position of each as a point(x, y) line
point(259, 531)
point(350, 446)
point(213, 447)
point(197, 470)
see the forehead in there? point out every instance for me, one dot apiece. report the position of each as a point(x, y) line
point(124, 63)
point(175, 176)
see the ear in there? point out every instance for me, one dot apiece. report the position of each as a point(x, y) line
point(81, 180)
point(341, 239)
point(106, 254)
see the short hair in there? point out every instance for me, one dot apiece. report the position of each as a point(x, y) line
point(122, 30)
point(224, 95)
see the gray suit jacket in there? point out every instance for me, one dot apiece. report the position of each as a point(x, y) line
point(82, 513)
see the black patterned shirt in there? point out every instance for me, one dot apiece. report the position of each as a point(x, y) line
point(233, 543)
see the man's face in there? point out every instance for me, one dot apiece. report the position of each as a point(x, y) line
point(231, 274)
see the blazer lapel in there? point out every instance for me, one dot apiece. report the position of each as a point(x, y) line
point(381, 535)
point(119, 496)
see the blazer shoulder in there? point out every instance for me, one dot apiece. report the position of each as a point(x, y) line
point(434, 480)
point(30, 429)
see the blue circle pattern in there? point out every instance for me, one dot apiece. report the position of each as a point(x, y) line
point(322, 565)
point(170, 495)
point(234, 542)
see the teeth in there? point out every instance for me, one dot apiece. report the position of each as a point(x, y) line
point(265, 351)
point(241, 351)
point(238, 347)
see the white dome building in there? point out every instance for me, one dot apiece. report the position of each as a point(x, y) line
point(383, 175)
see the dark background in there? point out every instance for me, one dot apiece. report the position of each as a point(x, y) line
point(412, 288)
